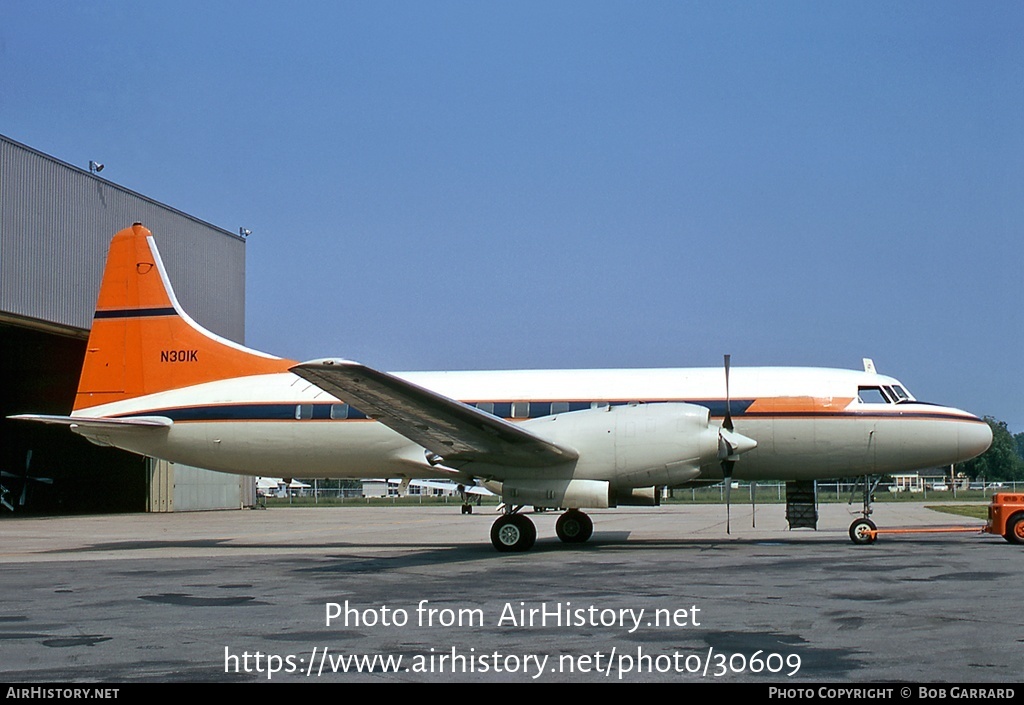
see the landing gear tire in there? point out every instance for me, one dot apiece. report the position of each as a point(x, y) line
point(1015, 529)
point(861, 532)
point(513, 532)
point(574, 526)
point(467, 508)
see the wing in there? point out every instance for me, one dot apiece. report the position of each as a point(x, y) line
point(456, 432)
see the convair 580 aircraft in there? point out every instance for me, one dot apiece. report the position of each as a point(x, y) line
point(154, 382)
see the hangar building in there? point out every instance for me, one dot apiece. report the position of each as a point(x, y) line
point(56, 222)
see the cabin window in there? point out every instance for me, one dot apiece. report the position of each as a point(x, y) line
point(559, 407)
point(520, 409)
point(871, 395)
point(303, 411)
point(485, 406)
point(339, 411)
point(539, 408)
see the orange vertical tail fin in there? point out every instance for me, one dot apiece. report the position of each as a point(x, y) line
point(142, 342)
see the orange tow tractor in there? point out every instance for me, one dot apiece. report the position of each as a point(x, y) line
point(1005, 518)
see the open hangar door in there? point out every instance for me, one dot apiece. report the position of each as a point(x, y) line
point(48, 469)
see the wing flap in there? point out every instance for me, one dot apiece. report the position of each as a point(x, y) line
point(456, 432)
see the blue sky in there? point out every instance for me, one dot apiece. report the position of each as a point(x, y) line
point(472, 185)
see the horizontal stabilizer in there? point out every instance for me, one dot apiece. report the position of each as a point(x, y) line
point(148, 422)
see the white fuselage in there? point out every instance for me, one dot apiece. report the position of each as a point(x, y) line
point(808, 422)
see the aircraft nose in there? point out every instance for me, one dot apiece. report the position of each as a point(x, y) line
point(973, 439)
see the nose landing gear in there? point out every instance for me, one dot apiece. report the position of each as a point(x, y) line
point(862, 531)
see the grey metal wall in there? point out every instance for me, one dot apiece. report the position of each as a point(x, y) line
point(56, 221)
point(182, 488)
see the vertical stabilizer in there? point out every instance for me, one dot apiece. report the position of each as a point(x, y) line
point(142, 342)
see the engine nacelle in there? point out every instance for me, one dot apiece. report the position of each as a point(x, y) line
point(566, 494)
point(574, 494)
point(635, 445)
point(637, 497)
point(626, 453)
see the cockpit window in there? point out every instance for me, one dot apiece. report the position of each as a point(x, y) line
point(872, 395)
point(899, 393)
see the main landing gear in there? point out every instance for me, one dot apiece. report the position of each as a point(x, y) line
point(574, 526)
point(513, 532)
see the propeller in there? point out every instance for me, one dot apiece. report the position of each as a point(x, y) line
point(730, 445)
point(25, 478)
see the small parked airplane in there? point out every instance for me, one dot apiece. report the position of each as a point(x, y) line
point(25, 480)
point(468, 493)
point(278, 486)
point(156, 383)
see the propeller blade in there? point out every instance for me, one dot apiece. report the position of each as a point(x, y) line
point(753, 505)
point(726, 463)
point(727, 421)
point(730, 445)
point(727, 479)
point(25, 478)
